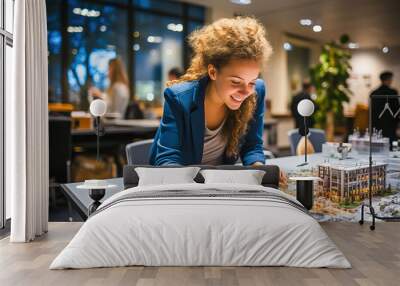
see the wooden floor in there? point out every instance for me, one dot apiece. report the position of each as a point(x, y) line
point(375, 257)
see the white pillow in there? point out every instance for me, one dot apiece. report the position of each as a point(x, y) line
point(166, 176)
point(248, 177)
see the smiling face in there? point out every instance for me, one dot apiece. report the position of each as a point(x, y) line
point(235, 81)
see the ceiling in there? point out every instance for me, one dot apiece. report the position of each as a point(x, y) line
point(370, 23)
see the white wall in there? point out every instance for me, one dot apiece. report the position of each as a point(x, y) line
point(217, 12)
point(276, 73)
point(367, 65)
point(276, 76)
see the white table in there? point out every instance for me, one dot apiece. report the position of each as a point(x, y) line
point(290, 163)
point(145, 123)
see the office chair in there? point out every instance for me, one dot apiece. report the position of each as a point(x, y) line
point(137, 153)
point(316, 136)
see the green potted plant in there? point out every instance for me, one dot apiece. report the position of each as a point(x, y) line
point(329, 76)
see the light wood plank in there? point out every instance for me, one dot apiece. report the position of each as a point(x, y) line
point(375, 257)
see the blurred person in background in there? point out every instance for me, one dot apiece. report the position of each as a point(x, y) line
point(385, 121)
point(117, 94)
point(305, 93)
point(174, 73)
point(386, 78)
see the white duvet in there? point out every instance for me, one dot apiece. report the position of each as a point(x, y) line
point(188, 231)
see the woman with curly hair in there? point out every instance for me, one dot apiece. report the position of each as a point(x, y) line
point(214, 112)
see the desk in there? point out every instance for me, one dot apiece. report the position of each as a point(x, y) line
point(113, 135)
point(138, 123)
point(114, 139)
point(289, 164)
point(60, 107)
point(79, 198)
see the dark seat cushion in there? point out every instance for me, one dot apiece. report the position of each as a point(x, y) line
point(270, 179)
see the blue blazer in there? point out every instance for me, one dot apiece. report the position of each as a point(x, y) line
point(180, 137)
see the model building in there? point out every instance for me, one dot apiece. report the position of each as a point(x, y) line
point(344, 184)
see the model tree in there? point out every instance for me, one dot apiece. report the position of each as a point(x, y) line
point(329, 77)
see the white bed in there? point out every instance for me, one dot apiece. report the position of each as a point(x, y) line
point(224, 225)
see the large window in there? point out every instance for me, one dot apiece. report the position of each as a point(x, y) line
point(149, 37)
point(6, 42)
point(54, 35)
point(93, 37)
point(158, 47)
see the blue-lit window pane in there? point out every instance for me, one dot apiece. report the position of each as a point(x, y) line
point(97, 31)
point(121, 1)
point(196, 12)
point(96, 34)
point(194, 25)
point(158, 47)
point(54, 49)
point(170, 7)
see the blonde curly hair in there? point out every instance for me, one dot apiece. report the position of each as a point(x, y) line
point(217, 44)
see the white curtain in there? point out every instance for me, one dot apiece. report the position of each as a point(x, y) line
point(27, 123)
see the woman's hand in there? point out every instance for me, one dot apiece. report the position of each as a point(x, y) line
point(95, 92)
point(283, 181)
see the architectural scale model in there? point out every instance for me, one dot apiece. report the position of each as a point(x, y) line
point(348, 184)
